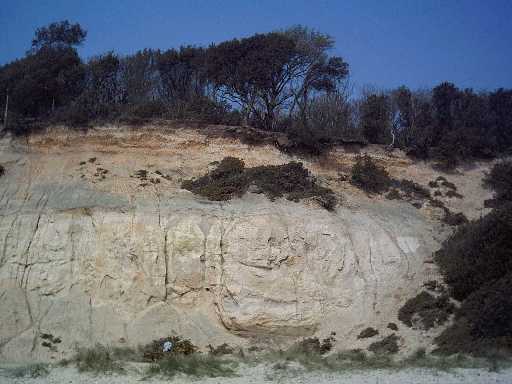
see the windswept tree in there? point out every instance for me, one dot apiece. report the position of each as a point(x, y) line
point(269, 73)
point(58, 35)
point(313, 70)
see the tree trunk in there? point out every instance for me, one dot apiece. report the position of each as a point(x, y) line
point(6, 109)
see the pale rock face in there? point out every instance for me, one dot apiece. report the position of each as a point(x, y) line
point(91, 266)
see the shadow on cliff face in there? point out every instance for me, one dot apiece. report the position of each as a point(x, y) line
point(231, 179)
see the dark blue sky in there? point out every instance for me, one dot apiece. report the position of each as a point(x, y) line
point(387, 43)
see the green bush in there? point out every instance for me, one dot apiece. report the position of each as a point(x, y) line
point(430, 310)
point(500, 179)
point(369, 176)
point(388, 345)
point(154, 350)
point(412, 189)
point(483, 324)
point(367, 333)
point(477, 253)
point(231, 179)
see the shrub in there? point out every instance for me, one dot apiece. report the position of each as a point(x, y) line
point(412, 189)
point(367, 333)
point(500, 179)
point(369, 176)
point(453, 219)
point(483, 325)
point(231, 179)
point(388, 345)
point(393, 195)
point(312, 345)
point(223, 349)
point(154, 350)
point(2, 170)
point(477, 253)
point(426, 310)
point(392, 326)
point(98, 359)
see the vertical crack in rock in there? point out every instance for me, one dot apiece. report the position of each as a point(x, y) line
point(166, 266)
point(26, 265)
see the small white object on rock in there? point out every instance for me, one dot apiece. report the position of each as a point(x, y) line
point(167, 346)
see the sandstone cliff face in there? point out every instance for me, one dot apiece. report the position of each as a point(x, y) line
point(92, 259)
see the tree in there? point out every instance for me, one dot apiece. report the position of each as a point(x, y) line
point(43, 81)
point(183, 74)
point(375, 119)
point(253, 72)
point(138, 77)
point(313, 70)
point(102, 85)
point(58, 35)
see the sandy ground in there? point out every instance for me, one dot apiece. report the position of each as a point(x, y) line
point(265, 374)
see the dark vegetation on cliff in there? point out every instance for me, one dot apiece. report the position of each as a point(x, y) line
point(476, 263)
point(231, 179)
point(283, 81)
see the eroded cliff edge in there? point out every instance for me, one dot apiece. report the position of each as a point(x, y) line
point(91, 254)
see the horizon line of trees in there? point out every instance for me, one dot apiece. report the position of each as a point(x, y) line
point(284, 81)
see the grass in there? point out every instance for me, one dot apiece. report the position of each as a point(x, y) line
point(97, 360)
point(35, 370)
point(103, 360)
point(197, 365)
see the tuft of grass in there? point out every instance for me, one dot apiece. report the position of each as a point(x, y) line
point(195, 364)
point(98, 359)
point(35, 370)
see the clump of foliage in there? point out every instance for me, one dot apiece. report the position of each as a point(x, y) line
point(98, 359)
point(453, 219)
point(500, 179)
point(477, 253)
point(223, 349)
point(2, 170)
point(412, 189)
point(313, 345)
point(426, 311)
point(195, 364)
point(483, 324)
point(393, 195)
point(154, 350)
point(369, 176)
point(477, 265)
point(388, 345)
point(367, 333)
point(392, 326)
point(231, 179)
